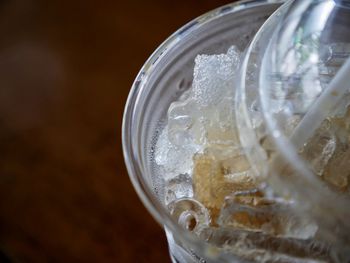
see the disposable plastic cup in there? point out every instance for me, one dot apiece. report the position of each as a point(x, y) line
point(162, 79)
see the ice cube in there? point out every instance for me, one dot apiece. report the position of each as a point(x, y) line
point(190, 214)
point(214, 179)
point(320, 148)
point(328, 151)
point(261, 247)
point(198, 119)
point(178, 187)
point(217, 136)
point(209, 184)
point(184, 126)
point(251, 211)
point(337, 172)
point(174, 159)
point(226, 114)
point(213, 77)
point(221, 128)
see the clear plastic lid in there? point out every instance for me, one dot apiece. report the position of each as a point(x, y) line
point(293, 110)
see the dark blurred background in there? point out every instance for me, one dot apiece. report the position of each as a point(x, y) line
point(66, 68)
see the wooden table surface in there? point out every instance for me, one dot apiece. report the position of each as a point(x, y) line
point(66, 68)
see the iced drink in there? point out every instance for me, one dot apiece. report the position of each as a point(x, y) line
point(210, 187)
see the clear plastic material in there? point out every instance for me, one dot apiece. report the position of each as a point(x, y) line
point(164, 79)
point(293, 112)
